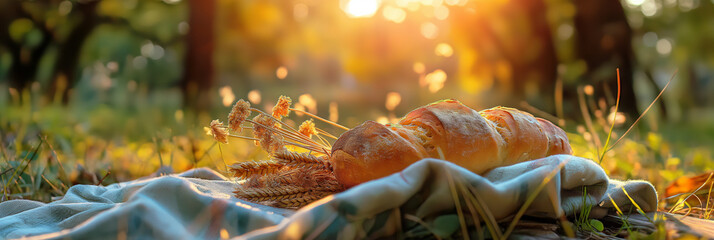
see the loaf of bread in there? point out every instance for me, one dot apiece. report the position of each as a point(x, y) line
point(478, 141)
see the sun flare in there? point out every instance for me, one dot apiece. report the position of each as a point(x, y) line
point(362, 8)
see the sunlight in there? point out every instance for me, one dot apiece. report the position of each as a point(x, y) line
point(281, 72)
point(309, 102)
point(444, 50)
point(436, 80)
point(393, 100)
point(227, 95)
point(362, 8)
point(429, 30)
point(394, 14)
point(419, 67)
point(254, 96)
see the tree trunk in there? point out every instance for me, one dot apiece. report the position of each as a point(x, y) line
point(198, 78)
point(25, 61)
point(518, 33)
point(603, 42)
point(65, 72)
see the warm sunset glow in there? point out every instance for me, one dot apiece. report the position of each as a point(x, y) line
point(227, 96)
point(362, 8)
point(589, 90)
point(443, 50)
point(281, 72)
point(436, 80)
point(617, 118)
point(334, 113)
point(394, 14)
point(254, 97)
point(429, 30)
point(419, 67)
point(441, 12)
point(393, 100)
point(309, 102)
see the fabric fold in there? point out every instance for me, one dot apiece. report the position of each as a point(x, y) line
point(199, 204)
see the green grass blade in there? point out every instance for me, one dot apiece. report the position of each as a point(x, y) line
point(457, 203)
point(532, 197)
point(612, 126)
point(639, 209)
point(645, 112)
point(692, 193)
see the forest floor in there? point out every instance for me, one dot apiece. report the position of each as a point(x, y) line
point(46, 150)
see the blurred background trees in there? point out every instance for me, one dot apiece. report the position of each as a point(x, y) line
point(199, 54)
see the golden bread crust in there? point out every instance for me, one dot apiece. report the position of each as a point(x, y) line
point(370, 151)
point(462, 135)
point(478, 141)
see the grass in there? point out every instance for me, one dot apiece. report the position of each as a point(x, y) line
point(46, 148)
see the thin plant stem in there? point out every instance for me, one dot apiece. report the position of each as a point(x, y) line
point(324, 141)
point(422, 223)
point(692, 193)
point(457, 204)
point(588, 120)
point(532, 198)
point(271, 116)
point(326, 134)
point(243, 137)
point(612, 126)
point(292, 135)
point(284, 132)
point(321, 119)
point(225, 165)
point(646, 110)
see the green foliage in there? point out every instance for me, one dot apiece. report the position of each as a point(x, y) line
point(445, 225)
point(583, 221)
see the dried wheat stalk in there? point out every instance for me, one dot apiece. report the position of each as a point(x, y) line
point(304, 160)
point(290, 179)
point(298, 202)
point(281, 192)
point(289, 187)
point(246, 169)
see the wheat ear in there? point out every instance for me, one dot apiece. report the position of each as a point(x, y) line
point(301, 160)
point(300, 201)
point(247, 169)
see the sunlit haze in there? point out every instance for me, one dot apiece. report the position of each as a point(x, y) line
point(362, 8)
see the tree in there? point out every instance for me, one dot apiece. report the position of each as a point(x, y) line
point(25, 57)
point(514, 45)
point(603, 41)
point(198, 78)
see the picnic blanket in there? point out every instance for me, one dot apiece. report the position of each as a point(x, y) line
point(199, 204)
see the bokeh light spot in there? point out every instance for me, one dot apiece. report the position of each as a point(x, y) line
point(334, 112)
point(309, 102)
point(429, 30)
point(649, 39)
point(565, 31)
point(361, 8)
point(254, 96)
point(589, 90)
point(394, 14)
point(664, 46)
point(419, 67)
point(300, 11)
point(441, 12)
point(435, 80)
point(281, 72)
point(64, 8)
point(635, 2)
point(393, 100)
point(443, 50)
point(617, 118)
point(227, 96)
